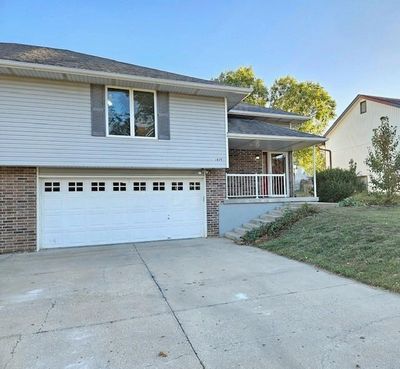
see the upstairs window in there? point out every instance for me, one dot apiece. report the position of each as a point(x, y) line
point(144, 114)
point(118, 112)
point(363, 107)
point(131, 113)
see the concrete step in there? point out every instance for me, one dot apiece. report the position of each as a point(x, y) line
point(249, 226)
point(233, 236)
point(259, 221)
point(269, 217)
point(241, 231)
point(277, 213)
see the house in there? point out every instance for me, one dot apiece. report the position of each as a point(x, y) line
point(95, 151)
point(350, 135)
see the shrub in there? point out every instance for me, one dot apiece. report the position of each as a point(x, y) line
point(334, 185)
point(349, 201)
point(274, 228)
point(371, 199)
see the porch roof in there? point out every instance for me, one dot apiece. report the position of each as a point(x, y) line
point(253, 134)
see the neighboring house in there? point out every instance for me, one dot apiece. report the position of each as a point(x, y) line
point(94, 151)
point(350, 135)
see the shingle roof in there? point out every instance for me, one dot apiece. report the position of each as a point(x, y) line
point(72, 59)
point(383, 100)
point(251, 108)
point(257, 127)
point(380, 99)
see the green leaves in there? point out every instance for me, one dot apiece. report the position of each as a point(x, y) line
point(245, 77)
point(304, 98)
point(309, 99)
point(337, 184)
point(384, 159)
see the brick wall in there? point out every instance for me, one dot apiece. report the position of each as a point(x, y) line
point(215, 188)
point(17, 209)
point(244, 161)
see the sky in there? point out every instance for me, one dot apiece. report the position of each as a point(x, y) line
point(349, 47)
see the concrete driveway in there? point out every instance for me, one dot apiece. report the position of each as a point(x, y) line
point(203, 303)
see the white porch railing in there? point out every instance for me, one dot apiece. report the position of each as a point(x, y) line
point(255, 185)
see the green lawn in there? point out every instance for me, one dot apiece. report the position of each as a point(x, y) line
point(362, 243)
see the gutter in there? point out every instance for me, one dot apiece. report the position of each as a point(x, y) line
point(118, 76)
point(275, 138)
point(269, 115)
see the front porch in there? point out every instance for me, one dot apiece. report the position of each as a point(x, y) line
point(261, 176)
point(261, 164)
point(257, 175)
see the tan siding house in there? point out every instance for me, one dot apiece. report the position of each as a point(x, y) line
point(350, 135)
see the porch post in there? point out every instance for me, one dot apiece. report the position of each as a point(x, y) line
point(256, 175)
point(315, 172)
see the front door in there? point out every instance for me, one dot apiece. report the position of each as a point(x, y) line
point(278, 165)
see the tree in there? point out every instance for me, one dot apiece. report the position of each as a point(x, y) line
point(309, 99)
point(245, 77)
point(384, 159)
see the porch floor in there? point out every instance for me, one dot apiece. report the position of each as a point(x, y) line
point(270, 200)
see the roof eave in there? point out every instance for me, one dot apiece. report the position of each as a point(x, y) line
point(69, 73)
point(245, 136)
point(359, 96)
point(300, 118)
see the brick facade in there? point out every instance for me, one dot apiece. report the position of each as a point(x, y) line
point(215, 188)
point(17, 209)
point(245, 162)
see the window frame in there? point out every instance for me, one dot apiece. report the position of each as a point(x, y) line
point(74, 186)
point(132, 112)
point(364, 102)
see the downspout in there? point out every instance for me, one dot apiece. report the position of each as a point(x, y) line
point(330, 155)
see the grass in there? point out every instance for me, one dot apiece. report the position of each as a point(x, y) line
point(362, 243)
point(274, 229)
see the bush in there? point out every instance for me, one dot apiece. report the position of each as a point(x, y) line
point(334, 185)
point(348, 202)
point(274, 228)
point(371, 199)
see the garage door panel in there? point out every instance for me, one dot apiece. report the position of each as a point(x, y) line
point(105, 216)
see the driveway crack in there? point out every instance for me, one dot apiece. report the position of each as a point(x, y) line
point(170, 308)
point(12, 353)
point(53, 303)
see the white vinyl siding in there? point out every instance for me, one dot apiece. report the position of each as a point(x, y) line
point(351, 138)
point(46, 123)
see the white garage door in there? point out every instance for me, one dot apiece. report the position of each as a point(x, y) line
point(95, 211)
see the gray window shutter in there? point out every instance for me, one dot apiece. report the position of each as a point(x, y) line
point(98, 111)
point(163, 116)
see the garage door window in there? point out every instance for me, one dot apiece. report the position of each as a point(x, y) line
point(119, 186)
point(177, 186)
point(194, 186)
point(98, 186)
point(52, 187)
point(75, 186)
point(139, 186)
point(158, 186)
